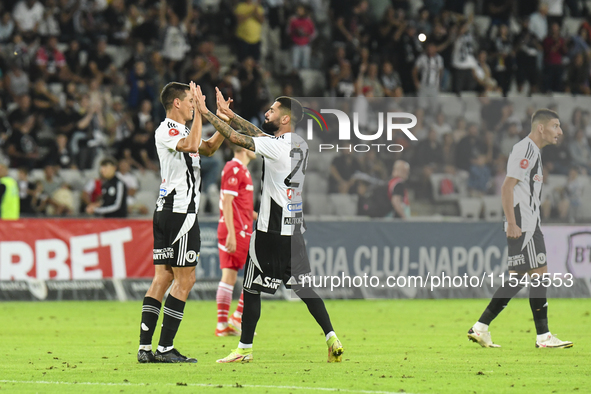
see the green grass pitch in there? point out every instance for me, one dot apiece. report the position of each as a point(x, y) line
point(413, 346)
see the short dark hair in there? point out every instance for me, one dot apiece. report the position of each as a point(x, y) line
point(292, 107)
point(543, 115)
point(171, 91)
point(108, 161)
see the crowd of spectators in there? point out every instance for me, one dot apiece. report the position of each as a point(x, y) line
point(80, 79)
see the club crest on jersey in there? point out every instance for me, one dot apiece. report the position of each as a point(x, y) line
point(173, 132)
point(233, 181)
point(524, 163)
point(289, 193)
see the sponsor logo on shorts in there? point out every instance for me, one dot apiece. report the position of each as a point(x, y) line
point(191, 256)
point(294, 207)
point(541, 258)
point(270, 283)
point(517, 260)
point(163, 254)
point(524, 163)
point(305, 278)
point(293, 221)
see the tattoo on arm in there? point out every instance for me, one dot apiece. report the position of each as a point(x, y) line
point(246, 127)
point(224, 129)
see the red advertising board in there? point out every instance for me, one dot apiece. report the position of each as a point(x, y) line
point(75, 249)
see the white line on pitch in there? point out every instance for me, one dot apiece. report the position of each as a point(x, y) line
point(200, 385)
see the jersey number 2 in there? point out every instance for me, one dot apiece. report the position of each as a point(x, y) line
point(301, 160)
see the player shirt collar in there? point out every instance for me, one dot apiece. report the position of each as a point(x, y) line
point(533, 143)
point(238, 161)
point(174, 122)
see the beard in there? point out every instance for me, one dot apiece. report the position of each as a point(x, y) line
point(270, 127)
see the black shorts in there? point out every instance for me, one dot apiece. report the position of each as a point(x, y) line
point(176, 239)
point(274, 258)
point(527, 252)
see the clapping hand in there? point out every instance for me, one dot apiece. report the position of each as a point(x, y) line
point(224, 112)
point(199, 98)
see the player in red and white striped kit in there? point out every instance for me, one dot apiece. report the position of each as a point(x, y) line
point(236, 206)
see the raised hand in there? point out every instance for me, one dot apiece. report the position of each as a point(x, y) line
point(199, 100)
point(223, 105)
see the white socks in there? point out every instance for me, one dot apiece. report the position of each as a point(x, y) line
point(480, 326)
point(330, 334)
point(244, 345)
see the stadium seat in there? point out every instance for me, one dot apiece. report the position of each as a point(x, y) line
point(148, 198)
point(149, 180)
point(452, 107)
point(77, 201)
point(493, 208)
point(119, 54)
point(317, 204)
point(482, 23)
point(556, 181)
point(313, 82)
point(470, 207)
point(585, 211)
point(72, 177)
point(436, 187)
point(571, 25)
point(344, 204)
point(315, 182)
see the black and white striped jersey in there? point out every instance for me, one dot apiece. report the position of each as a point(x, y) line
point(525, 164)
point(284, 167)
point(180, 171)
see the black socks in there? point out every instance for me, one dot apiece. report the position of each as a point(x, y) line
point(173, 315)
point(150, 313)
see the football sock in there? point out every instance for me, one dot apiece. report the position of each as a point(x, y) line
point(316, 307)
point(150, 313)
point(244, 345)
point(250, 318)
point(539, 307)
point(173, 315)
point(330, 335)
point(224, 299)
point(240, 307)
point(499, 301)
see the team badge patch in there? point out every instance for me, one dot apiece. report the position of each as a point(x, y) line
point(173, 132)
point(524, 163)
point(233, 181)
point(191, 256)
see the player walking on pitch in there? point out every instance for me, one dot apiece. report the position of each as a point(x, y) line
point(176, 230)
point(277, 251)
point(234, 231)
point(520, 194)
